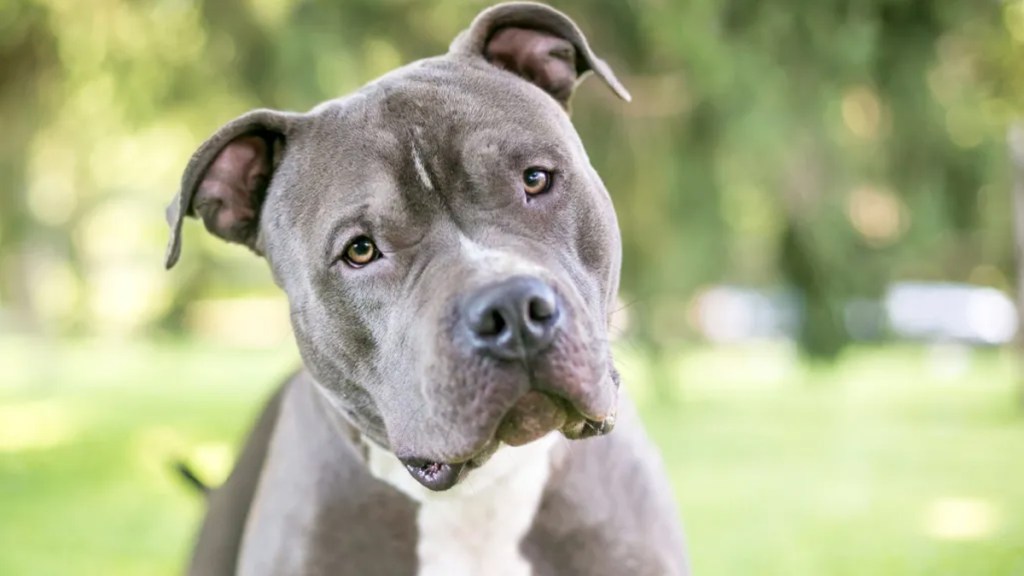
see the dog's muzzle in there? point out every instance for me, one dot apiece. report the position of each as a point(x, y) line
point(514, 324)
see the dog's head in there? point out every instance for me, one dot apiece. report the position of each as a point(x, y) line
point(449, 255)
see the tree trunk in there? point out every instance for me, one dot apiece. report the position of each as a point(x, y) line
point(15, 292)
point(1016, 146)
point(26, 62)
point(803, 263)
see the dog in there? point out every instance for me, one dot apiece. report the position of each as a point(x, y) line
point(450, 259)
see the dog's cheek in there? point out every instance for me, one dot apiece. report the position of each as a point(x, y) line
point(574, 366)
point(458, 381)
point(335, 345)
point(465, 389)
point(597, 238)
point(598, 255)
point(338, 379)
point(592, 244)
point(456, 410)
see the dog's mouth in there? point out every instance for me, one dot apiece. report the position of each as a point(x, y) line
point(535, 415)
point(436, 476)
point(440, 476)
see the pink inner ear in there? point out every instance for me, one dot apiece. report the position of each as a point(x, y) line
point(228, 197)
point(539, 57)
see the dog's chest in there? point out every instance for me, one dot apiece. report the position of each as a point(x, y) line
point(477, 526)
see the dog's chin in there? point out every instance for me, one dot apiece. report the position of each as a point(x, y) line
point(533, 416)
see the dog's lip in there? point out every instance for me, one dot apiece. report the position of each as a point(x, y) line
point(436, 476)
point(582, 427)
point(440, 476)
point(575, 424)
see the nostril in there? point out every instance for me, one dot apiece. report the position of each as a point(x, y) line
point(492, 323)
point(541, 309)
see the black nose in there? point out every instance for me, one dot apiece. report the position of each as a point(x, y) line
point(512, 319)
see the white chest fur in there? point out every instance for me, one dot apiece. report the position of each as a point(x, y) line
point(476, 527)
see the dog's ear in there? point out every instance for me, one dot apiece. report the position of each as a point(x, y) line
point(537, 43)
point(227, 178)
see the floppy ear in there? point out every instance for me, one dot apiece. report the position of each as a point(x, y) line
point(226, 180)
point(537, 43)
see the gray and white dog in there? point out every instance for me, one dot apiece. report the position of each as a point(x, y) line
point(450, 259)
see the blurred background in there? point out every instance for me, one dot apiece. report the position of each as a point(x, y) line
point(818, 298)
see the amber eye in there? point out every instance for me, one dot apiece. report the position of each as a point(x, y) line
point(536, 181)
point(361, 252)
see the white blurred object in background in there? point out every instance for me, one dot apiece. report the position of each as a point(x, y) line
point(932, 312)
point(950, 312)
point(731, 314)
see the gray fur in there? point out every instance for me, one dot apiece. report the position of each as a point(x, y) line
point(427, 161)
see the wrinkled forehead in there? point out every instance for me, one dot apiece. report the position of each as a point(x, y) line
point(442, 97)
point(438, 107)
point(402, 144)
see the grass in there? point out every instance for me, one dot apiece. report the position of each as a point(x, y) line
point(896, 461)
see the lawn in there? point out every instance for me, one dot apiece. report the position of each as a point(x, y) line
point(895, 461)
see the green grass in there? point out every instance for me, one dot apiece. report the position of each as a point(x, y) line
point(896, 461)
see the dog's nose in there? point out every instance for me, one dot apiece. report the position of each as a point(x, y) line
point(513, 319)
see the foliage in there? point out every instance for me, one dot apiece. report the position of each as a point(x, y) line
point(830, 145)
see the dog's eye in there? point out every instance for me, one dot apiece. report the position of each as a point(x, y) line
point(360, 252)
point(536, 181)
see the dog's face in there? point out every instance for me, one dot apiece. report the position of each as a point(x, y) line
point(449, 255)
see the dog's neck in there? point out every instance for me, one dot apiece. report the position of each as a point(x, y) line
point(476, 526)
